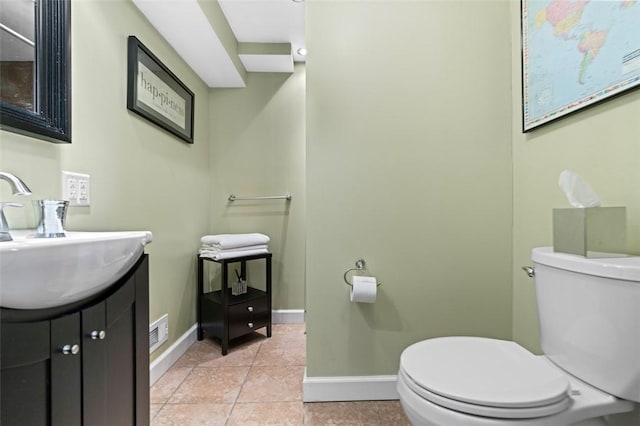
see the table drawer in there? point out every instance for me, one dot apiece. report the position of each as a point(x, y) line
point(248, 316)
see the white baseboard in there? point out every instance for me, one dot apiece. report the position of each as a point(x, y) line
point(161, 364)
point(287, 316)
point(349, 388)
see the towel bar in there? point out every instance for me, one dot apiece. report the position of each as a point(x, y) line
point(286, 196)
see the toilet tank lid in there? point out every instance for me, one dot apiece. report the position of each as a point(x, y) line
point(621, 268)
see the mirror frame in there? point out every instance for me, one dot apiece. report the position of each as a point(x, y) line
point(52, 121)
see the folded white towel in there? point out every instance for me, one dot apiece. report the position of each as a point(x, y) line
point(230, 254)
point(217, 249)
point(229, 241)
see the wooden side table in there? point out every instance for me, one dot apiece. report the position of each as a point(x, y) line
point(225, 316)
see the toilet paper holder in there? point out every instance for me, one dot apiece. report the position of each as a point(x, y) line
point(360, 265)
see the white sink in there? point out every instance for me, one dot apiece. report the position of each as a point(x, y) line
point(40, 273)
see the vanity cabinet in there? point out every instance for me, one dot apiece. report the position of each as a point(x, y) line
point(225, 316)
point(81, 364)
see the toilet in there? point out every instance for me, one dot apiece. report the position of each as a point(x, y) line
point(589, 375)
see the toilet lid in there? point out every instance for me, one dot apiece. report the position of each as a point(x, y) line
point(485, 372)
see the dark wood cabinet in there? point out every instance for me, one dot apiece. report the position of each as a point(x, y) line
point(225, 316)
point(81, 364)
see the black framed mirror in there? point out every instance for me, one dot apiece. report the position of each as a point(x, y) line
point(48, 115)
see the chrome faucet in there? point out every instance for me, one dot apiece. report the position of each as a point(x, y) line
point(18, 187)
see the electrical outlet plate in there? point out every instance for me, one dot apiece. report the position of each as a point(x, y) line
point(76, 188)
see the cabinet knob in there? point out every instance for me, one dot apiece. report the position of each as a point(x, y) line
point(250, 309)
point(70, 349)
point(95, 334)
point(250, 325)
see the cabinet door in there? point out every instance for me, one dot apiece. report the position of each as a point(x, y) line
point(120, 382)
point(94, 365)
point(116, 355)
point(66, 381)
point(108, 360)
point(41, 372)
point(24, 384)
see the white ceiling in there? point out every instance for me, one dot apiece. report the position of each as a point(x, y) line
point(185, 26)
point(267, 21)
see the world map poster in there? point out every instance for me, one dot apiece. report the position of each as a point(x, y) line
point(576, 53)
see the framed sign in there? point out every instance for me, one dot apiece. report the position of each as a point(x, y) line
point(155, 93)
point(576, 54)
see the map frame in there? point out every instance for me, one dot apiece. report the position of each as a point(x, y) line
point(613, 88)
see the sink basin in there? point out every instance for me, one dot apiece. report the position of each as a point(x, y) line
point(38, 273)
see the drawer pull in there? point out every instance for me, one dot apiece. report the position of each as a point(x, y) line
point(98, 335)
point(250, 325)
point(70, 349)
point(250, 309)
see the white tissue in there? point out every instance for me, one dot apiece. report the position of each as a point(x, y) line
point(364, 289)
point(577, 190)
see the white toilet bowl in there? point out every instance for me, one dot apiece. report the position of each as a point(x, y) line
point(589, 332)
point(473, 381)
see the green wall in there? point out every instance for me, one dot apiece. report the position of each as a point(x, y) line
point(258, 149)
point(409, 167)
point(414, 160)
point(601, 144)
point(142, 178)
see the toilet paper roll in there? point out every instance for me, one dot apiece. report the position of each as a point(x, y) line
point(364, 289)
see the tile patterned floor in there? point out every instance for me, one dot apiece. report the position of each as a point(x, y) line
point(258, 383)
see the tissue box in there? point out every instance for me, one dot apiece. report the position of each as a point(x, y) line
point(591, 231)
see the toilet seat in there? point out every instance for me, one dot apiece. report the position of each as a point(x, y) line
point(485, 377)
point(483, 410)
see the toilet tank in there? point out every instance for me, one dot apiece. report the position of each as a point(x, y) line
point(589, 314)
